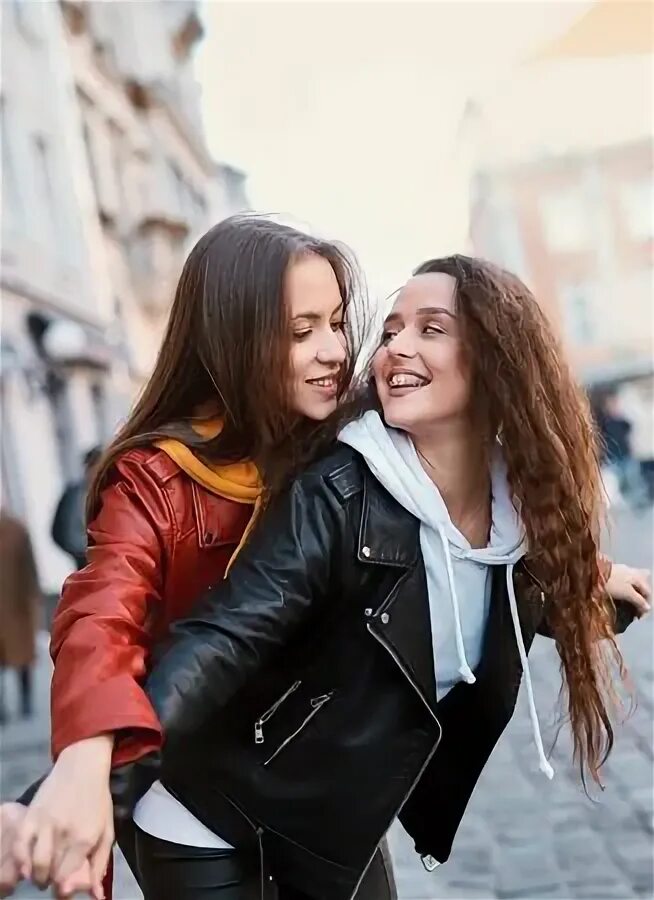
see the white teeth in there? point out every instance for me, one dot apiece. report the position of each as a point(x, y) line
point(403, 379)
point(323, 382)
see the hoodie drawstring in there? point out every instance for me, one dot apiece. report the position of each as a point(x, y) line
point(464, 669)
point(544, 765)
point(466, 672)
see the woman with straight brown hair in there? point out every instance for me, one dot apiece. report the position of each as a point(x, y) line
point(258, 351)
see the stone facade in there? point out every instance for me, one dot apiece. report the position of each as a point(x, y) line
point(106, 183)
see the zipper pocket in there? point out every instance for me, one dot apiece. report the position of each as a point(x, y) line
point(269, 713)
point(316, 704)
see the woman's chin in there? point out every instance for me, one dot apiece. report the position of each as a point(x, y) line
point(320, 412)
point(398, 415)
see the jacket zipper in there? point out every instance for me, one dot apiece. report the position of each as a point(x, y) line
point(426, 762)
point(316, 705)
point(404, 671)
point(259, 833)
point(269, 713)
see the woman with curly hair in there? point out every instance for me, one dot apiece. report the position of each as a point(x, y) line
point(365, 654)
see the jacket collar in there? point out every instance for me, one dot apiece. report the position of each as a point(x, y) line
point(388, 534)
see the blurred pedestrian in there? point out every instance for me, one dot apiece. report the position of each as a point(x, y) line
point(640, 412)
point(614, 448)
point(69, 523)
point(20, 603)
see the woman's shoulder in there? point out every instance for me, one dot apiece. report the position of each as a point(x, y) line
point(144, 463)
point(149, 477)
point(339, 467)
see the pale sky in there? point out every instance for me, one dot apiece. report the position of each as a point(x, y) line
point(346, 115)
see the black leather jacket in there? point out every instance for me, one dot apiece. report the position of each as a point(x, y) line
point(299, 703)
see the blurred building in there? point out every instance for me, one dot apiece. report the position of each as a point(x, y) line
point(60, 363)
point(229, 191)
point(132, 65)
point(106, 182)
point(579, 228)
point(563, 186)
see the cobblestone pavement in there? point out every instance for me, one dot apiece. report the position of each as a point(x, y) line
point(522, 836)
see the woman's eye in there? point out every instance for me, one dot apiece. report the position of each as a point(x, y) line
point(301, 335)
point(338, 326)
point(433, 329)
point(387, 336)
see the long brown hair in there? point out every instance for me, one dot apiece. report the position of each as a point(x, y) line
point(524, 392)
point(227, 344)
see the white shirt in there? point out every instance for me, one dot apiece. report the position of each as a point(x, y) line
point(158, 813)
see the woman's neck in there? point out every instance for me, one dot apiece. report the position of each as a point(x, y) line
point(457, 462)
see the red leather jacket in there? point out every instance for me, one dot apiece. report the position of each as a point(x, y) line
point(157, 543)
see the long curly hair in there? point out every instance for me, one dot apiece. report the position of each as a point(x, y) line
point(524, 392)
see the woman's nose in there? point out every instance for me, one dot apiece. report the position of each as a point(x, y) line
point(402, 345)
point(332, 350)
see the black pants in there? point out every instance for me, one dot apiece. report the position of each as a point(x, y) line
point(175, 872)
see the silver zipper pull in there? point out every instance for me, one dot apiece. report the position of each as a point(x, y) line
point(258, 733)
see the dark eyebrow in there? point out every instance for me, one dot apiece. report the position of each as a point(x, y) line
point(423, 311)
point(435, 311)
point(316, 317)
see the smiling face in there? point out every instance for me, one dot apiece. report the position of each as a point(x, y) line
point(318, 345)
point(420, 372)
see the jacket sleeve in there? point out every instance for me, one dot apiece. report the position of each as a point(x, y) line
point(280, 578)
point(100, 637)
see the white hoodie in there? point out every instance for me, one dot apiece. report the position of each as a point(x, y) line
point(458, 575)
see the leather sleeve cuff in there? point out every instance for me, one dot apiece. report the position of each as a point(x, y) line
point(28, 795)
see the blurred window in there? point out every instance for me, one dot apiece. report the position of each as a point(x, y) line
point(61, 410)
point(177, 183)
point(11, 200)
point(117, 141)
point(85, 106)
point(89, 157)
point(27, 14)
point(99, 402)
point(565, 220)
point(12, 493)
point(577, 303)
point(637, 198)
point(43, 176)
point(99, 139)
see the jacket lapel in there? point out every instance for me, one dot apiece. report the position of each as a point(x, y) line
point(390, 536)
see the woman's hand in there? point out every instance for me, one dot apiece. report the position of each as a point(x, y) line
point(632, 586)
point(11, 817)
point(81, 881)
point(70, 820)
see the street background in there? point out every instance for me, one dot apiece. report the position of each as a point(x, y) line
point(517, 130)
point(522, 836)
